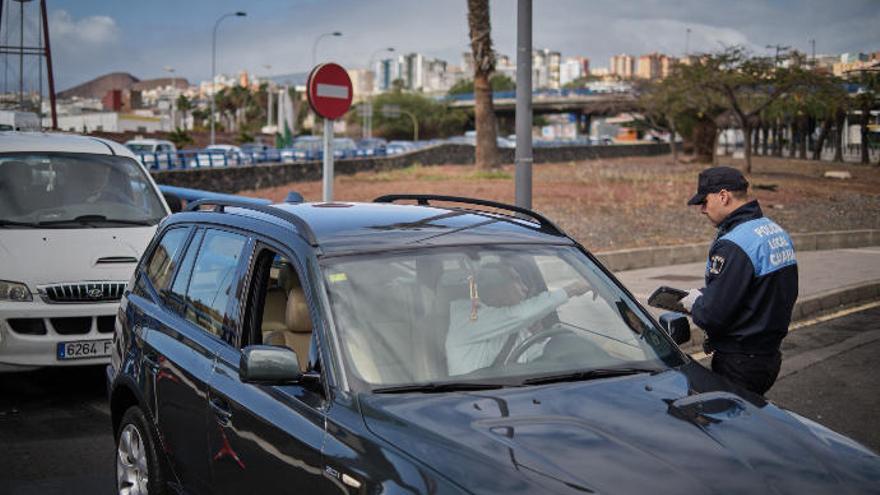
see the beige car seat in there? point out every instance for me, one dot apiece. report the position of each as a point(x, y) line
point(295, 331)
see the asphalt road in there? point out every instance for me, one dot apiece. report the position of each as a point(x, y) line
point(55, 425)
point(55, 433)
point(830, 375)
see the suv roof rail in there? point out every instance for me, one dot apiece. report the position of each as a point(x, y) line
point(423, 199)
point(220, 204)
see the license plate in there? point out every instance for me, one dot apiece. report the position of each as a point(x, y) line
point(84, 349)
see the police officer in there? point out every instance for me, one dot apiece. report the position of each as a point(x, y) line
point(751, 282)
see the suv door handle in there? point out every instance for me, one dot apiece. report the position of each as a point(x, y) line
point(221, 411)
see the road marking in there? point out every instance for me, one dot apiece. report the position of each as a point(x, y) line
point(333, 91)
point(832, 316)
point(699, 356)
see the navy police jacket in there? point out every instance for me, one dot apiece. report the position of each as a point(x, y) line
point(751, 284)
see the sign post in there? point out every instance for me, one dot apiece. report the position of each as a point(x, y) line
point(330, 94)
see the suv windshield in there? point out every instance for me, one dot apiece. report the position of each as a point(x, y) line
point(64, 189)
point(488, 315)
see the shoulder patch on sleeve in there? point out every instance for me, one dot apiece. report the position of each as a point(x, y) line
point(716, 264)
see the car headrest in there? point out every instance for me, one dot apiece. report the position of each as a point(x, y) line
point(286, 278)
point(297, 315)
point(274, 310)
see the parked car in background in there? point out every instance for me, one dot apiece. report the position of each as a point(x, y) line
point(470, 139)
point(76, 213)
point(221, 155)
point(344, 148)
point(372, 147)
point(367, 348)
point(11, 120)
point(397, 147)
point(259, 152)
point(505, 143)
point(154, 153)
point(304, 148)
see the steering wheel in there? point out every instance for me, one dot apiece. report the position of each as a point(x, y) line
point(526, 344)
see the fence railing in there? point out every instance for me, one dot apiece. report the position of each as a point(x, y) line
point(214, 158)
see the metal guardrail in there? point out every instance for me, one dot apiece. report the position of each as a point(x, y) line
point(193, 159)
point(187, 159)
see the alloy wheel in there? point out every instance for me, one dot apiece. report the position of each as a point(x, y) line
point(132, 471)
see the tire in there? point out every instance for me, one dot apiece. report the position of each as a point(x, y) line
point(139, 470)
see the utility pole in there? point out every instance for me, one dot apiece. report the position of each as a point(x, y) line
point(779, 48)
point(523, 158)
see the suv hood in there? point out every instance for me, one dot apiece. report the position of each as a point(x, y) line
point(38, 256)
point(681, 431)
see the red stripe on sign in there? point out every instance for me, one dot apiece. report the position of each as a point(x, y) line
point(332, 91)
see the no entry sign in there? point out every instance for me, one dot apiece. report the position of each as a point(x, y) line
point(329, 91)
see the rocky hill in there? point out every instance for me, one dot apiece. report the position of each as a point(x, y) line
point(98, 87)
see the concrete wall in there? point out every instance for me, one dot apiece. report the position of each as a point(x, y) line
point(234, 179)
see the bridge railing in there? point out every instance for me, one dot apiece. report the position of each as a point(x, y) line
point(542, 93)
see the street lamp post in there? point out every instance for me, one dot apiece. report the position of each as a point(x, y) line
point(315, 45)
point(687, 42)
point(214, 65)
point(170, 70)
point(268, 96)
point(368, 114)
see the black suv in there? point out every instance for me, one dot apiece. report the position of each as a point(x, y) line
point(449, 346)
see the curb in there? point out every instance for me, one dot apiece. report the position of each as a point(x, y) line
point(632, 259)
point(835, 299)
point(815, 305)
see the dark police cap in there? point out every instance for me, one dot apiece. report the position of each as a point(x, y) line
point(715, 179)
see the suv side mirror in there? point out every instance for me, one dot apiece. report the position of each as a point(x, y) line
point(677, 326)
point(174, 202)
point(268, 364)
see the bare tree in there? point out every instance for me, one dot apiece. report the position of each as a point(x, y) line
point(484, 65)
point(745, 85)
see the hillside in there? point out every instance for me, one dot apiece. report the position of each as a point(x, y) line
point(98, 87)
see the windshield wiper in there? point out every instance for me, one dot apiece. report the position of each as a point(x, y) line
point(437, 387)
point(13, 223)
point(89, 219)
point(584, 375)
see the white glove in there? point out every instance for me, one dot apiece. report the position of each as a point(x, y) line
point(691, 297)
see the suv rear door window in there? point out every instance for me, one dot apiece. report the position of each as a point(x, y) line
point(211, 284)
point(165, 257)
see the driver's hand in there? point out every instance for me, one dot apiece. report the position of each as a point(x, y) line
point(576, 288)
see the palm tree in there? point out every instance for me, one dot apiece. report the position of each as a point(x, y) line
point(484, 65)
point(184, 104)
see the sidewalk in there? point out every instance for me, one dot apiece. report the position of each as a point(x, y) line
point(826, 280)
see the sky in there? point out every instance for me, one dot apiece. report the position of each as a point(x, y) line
point(91, 37)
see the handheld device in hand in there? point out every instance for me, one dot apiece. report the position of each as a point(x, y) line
point(668, 298)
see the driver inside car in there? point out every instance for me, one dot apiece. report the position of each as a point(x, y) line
point(98, 183)
point(498, 315)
